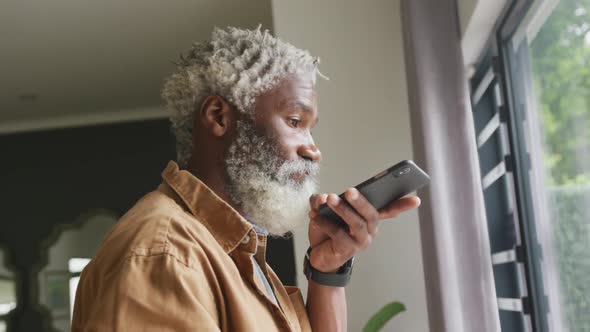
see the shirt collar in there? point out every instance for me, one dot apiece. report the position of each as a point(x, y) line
point(226, 225)
point(258, 229)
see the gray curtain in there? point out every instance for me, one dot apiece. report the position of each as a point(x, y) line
point(457, 261)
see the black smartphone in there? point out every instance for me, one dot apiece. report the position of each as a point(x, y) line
point(389, 185)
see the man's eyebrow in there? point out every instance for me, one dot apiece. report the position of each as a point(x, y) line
point(296, 104)
point(303, 106)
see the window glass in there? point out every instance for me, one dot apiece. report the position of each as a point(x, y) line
point(556, 54)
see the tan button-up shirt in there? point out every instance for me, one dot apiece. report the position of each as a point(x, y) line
point(181, 260)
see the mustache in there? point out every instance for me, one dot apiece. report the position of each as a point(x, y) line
point(308, 168)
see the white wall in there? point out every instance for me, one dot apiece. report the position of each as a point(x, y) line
point(364, 128)
point(477, 18)
point(466, 10)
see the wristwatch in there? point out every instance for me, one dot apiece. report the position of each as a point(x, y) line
point(338, 279)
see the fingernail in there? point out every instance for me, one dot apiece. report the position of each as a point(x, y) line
point(419, 201)
point(332, 200)
point(354, 194)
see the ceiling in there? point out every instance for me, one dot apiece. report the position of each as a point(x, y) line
point(76, 62)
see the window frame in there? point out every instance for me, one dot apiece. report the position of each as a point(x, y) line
point(500, 57)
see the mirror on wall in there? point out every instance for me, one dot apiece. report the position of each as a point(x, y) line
point(67, 256)
point(7, 291)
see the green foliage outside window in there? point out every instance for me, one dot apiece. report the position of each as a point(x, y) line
point(560, 56)
point(572, 240)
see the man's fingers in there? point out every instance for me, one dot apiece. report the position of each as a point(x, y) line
point(394, 208)
point(316, 200)
point(328, 227)
point(364, 208)
point(312, 200)
point(356, 224)
point(342, 244)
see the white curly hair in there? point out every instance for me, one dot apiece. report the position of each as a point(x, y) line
point(237, 64)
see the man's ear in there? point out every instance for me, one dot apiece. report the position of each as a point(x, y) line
point(216, 115)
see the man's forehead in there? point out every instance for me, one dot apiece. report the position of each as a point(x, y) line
point(298, 88)
point(295, 91)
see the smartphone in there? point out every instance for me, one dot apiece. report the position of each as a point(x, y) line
point(389, 185)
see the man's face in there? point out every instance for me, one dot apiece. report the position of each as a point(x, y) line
point(287, 114)
point(273, 163)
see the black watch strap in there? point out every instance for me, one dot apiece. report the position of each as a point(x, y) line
point(338, 279)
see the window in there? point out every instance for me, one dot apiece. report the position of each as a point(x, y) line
point(68, 254)
point(531, 104)
point(7, 292)
point(75, 267)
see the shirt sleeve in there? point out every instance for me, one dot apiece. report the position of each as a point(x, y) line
point(146, 293)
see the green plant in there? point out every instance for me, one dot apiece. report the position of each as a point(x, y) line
point(379, 319)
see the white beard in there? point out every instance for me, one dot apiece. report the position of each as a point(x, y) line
point(261, 182)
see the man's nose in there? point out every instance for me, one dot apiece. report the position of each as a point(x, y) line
point(310, 152)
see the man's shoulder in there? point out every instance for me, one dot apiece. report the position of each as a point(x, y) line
point(158, 225)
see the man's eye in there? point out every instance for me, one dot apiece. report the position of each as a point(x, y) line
point(294, 122)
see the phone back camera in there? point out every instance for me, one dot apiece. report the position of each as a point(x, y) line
point(402, 172)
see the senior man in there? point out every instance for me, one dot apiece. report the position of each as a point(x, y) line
point(190, 256)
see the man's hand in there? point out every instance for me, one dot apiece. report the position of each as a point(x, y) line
point(333, 245)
